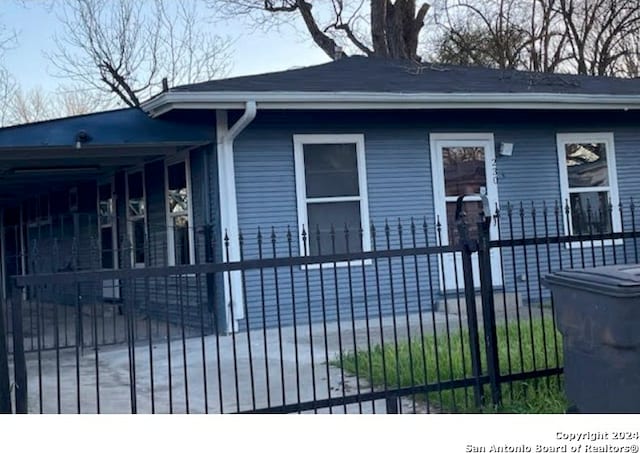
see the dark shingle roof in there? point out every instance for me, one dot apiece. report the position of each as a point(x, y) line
point(373, 75)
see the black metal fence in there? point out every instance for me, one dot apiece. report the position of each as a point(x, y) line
point(383, 319)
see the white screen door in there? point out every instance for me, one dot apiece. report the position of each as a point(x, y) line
point(463, 164)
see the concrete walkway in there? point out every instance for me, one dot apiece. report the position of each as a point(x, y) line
point(245, 371)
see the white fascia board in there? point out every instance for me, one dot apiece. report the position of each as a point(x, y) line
point(350, 100)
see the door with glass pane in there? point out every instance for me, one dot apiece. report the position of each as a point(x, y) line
point(463, 164)
point(108, 237)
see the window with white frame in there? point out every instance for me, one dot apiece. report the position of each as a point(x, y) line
point(38, 211)
point(179, 213)
point(331, 188)
point(588, 182)
point(136, 217)
point(107, 225)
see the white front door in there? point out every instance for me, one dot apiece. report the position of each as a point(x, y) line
point(463, 164)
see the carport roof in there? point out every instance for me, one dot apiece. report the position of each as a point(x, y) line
point(114, 128)
point(45, 156)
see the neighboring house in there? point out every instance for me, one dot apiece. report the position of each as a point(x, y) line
point(357, 141)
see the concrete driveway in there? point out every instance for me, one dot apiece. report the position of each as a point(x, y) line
point(241, 372)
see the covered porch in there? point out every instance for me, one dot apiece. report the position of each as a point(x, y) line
point(111, 190)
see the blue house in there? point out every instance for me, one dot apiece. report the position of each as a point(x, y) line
point(329, 154)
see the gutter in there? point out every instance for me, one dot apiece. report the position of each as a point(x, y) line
point(374, 100)
point(225, 136)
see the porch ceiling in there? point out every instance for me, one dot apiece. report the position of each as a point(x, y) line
point(27, 171)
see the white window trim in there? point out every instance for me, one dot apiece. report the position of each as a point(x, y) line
point(171, 257)
point(40, 220)
point(130, 218)
point(563, 139)
point(299, 140)
point(114, 220)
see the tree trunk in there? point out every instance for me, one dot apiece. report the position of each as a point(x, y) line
point(378, 27)
point(402, 29)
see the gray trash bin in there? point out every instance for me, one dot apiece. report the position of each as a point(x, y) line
point(598, 313)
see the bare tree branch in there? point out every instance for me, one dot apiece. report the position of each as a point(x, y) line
point(376, 28)
point(126, 47)
point(585, 36)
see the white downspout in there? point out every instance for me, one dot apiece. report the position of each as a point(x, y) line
point(229, 207)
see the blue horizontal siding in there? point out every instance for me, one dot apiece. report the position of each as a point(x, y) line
point(400, 188)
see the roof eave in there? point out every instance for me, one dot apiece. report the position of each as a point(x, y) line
point(380, 101)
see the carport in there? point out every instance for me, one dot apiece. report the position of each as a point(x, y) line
point(53, 169)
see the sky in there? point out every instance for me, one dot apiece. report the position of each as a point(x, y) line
point(254, 51)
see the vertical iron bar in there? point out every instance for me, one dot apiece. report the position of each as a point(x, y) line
point(248, 325)
point(590, 221)
point(456, 280)
point(420, 319)
point(19, 360)
point(366, 319)
point(406, 312)
point(5, 385)
point(56, 320)
point(497, 217)
point(433, 307)
point(632, 209)
point(387, 233)
point(392, 404)
point(515, 284)
point(295, 315)
point(338, 320)
point(182, 294)
point(168, 343)
point(488, 310)
point(232, 322)
point(305, 252)
point(131, 346)
point(147, 304)
point(41, 343)
point(569, 230)
point(539, 279)
point(353, 321)
point(468, 247)
point(274, 255)
point(553, 317)
point(325, 335)
point(623, 230)
point(200, 288)
point(528, 285)
point(383, 349)
point(602, 233)
point(79, 341)
point(447, 326)
point(95, 347)
point(264, 321)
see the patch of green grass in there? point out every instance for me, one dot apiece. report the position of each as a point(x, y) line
point(529, 346)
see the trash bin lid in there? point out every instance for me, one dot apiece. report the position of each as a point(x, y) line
point(617, 281)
